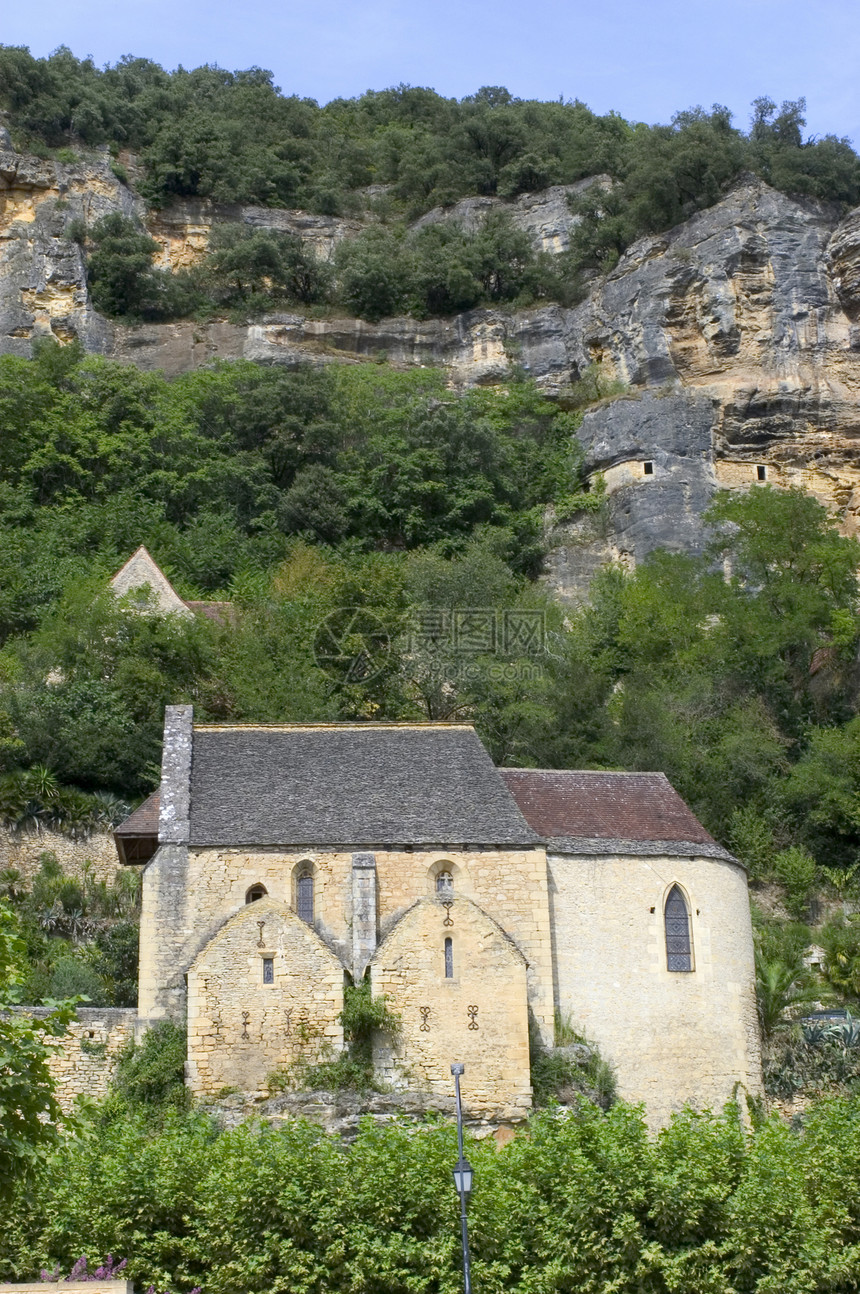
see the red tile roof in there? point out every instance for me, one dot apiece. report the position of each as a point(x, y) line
point(611, 806)
point(221, 612)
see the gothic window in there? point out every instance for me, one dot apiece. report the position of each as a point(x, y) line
point(256, 892)
point(305, 897)
point(679, 947)
point(449, 958)
point(268, 970)
point(444, 885)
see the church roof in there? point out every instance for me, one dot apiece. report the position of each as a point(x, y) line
point(349, 784)
point(608, 813)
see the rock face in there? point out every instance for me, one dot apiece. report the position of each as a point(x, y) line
point(546, 216)
point(183, 229)
point(655, 452)
point(743, 314)
point(43, 290)
point(737, 335)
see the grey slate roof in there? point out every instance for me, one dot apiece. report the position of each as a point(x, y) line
point(345, 784)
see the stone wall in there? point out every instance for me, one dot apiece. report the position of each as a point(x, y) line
point(72, 1287)
point(85, 1059)
point(189, 893)
point(472, 1008)
point(21, 850)
point(264, 993)
point(673, 1037)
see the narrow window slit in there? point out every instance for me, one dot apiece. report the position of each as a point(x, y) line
point(305, 898)
point(268, 970)
point(648, 468)
point(449, 958)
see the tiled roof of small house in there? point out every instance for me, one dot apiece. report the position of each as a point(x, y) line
point(609, 813)
point(141, 571)
point(144, 820)
point(223, 613)
point(349, 784)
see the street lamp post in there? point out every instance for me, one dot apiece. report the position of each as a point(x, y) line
point(463, 1182)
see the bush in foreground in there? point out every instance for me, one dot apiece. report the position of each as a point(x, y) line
point(585, 1201)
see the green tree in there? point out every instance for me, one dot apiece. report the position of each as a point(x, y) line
point(794, 580)
point(29, 1112)
point(245, 263)
point(373, 274)
point(119, 269)
point(822, 793)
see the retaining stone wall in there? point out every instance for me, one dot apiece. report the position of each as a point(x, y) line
point(85, 1060)
point(21, 850)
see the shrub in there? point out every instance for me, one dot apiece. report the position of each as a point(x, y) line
point(243, 264)
point(812, 1060)
point(373, 276)
point(363, 1016)
point(152, 1072)
point(73, 977)
point(574, 1068)
point(779, 985)
point(795, 869)
point(751, 838)
point(840, 939)
point(119, 268)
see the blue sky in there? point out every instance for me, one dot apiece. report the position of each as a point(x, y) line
point(644, 59)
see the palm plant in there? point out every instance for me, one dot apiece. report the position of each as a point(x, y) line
point(779, 985)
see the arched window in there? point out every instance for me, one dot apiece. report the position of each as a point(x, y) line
point(444, 885)
point(305, 897)
point(255, 892)
point(679, 944)
point(449, 958)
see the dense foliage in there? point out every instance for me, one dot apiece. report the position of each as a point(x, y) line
point(369, 509)
point(28, 1108)
point(234, 137)
point(150, 1074)
point(436, 269)
point(80, 934)
point(586, 1202)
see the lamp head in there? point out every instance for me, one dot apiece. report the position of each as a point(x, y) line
point(463, 1178)
point(458, 1069)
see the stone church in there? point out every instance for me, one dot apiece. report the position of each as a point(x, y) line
point(282, 861)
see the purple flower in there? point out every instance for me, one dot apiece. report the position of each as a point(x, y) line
point(108, 1270)
point(79, 1271)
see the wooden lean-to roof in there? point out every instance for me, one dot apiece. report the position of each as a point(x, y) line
point(137, 838)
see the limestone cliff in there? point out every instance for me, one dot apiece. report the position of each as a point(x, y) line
point(737, 335)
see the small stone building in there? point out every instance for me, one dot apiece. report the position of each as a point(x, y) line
point(283, 861)
point(142, 581)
